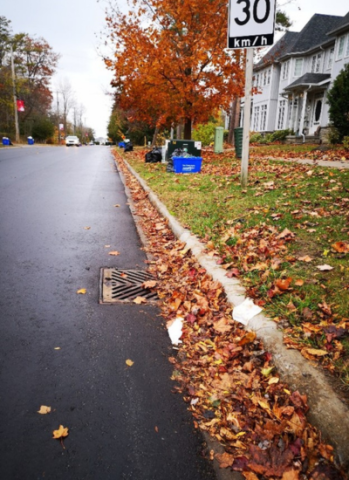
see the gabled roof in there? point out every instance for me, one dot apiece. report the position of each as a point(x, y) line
point(311, 36)
point(342, 25)
point(281, 48)
point(315, 32)
point(310, 79)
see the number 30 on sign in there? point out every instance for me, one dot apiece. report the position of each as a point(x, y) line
point(251, 23)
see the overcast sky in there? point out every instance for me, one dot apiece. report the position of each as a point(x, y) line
point(72, 29)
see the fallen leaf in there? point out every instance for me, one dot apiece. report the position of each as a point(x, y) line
point(273, 380)
point(82, 291)
point(222, 326)
point(299, 283)
point(324, 268)
point(156, 429)
point(285, 233)
point(129, 363)
point(57, 348)
point(44, 410)
point(87, 228)
point(225, 459)
point(106, 246)
point(250, 476)
point(248, 338)
point(116, 205)
point(306, 258)
point(139, 300)
point(149, 284)
point(316, 352)
point(283, 284)
point(114, 253)
point(61, 432)
point(341, 247)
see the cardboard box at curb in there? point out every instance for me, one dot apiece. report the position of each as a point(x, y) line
point(327, 412)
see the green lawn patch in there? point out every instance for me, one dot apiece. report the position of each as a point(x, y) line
point(286, 237)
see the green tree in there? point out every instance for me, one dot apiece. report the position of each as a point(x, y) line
point(43, 129)
point(338, 100)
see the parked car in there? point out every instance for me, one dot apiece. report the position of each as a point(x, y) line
point(91, 142)
point(72, 140)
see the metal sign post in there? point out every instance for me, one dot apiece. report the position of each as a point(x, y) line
point(251, 24)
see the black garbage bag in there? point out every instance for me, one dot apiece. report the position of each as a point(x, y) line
point(155, 156)
point(128, 147)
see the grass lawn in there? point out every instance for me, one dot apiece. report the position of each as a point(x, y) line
point(286, 237)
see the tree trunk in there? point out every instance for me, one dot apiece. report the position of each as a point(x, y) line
point(155, 136)
point(187, 129)
point(234, 119)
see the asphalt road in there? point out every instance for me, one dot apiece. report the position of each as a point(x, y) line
point(124, 422)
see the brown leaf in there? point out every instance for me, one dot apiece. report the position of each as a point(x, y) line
point(299, 283)
point(341, 247)
point(225, 459)
point(291, 475)
point(114, 253)
point(315, 351)
point(283, 284)
point(284, 234)
point(222, 326)
point(139, 300)
point(248, 338)
point(129, 362)
point(149, 284)
point(306, 258)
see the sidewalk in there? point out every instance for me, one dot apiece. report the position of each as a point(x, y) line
point(327, 412)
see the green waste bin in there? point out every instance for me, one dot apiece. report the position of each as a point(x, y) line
point(238, 137)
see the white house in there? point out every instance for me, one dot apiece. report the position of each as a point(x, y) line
point(294, 76)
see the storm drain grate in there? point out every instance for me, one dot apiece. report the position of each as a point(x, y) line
point(124, 286)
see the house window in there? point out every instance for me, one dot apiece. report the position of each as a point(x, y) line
point(316, 63)
point(340, 47)
point(281, 116)
point(330, 58)
point(284, 74)
point(269, 76)
point(347, 50)
point(263, 117)
point(298, 67)
point(256, 119)
point(264, 78)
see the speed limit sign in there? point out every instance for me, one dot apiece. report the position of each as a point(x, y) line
point(251, 23)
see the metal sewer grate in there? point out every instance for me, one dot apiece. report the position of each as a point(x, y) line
point(124, 286)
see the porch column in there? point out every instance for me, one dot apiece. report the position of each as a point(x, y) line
point(291, 121)
point(301, 126)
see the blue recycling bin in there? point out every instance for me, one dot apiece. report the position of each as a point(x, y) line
point(30, 141)
point(121, 144)
point(5, 141)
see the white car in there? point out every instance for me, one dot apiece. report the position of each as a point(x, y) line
point(72, 140)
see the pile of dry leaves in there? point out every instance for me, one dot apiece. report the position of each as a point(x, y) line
point(223, 372)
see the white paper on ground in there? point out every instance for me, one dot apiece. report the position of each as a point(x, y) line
point(245, 311)
point(175, 331)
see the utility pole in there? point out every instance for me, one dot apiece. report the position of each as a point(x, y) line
point(59, 131)
point(14, 96)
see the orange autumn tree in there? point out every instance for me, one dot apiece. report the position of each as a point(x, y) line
point(169, 60)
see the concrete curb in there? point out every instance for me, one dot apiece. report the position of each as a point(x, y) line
point(327, 412)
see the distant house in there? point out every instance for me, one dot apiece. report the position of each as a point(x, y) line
point(294, 76)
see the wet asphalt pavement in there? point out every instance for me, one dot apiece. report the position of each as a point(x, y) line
point(124, 422)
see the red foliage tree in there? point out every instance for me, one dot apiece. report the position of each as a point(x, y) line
point(170, 63)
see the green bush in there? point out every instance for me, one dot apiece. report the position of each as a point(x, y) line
point(338, 100)
point(334, 136)
point(42, 129)
point(255, 138)
point(280, 135)
point(346, 143)
point(205, 132)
